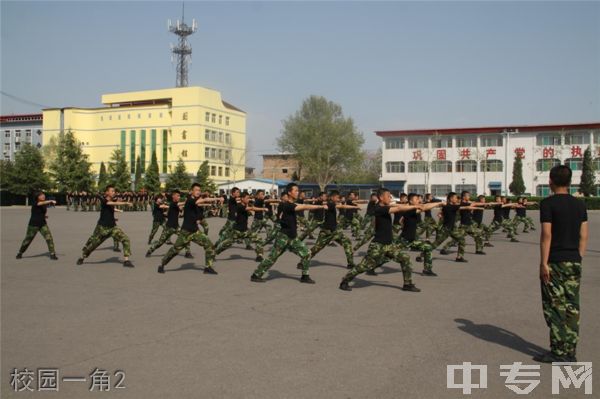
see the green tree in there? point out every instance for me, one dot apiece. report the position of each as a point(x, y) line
point(368, 170)
point(517, 186)
point(27, 174)
point(203, 178)
point(317, 122)
point(179, 179)
point(69, 166)
point(6, 170)
point(118, 171)
point(103, 178)
point(295, 176)
point(587, 186)
point(138, 182)
point(152, 176)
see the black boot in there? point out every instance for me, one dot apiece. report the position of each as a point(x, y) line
point(306, 279)
point(80, 261)
point(209, 270)
point(127, 263)
point(53, 257)
point(461, 260)
point(429, 273)
point(256, 279)
point(161, 269)
point(410, 287)
point(189, 255)
point(19, 255)
point(371, 272)
point(345, 286)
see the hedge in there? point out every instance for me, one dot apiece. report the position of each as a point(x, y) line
point(590, 202)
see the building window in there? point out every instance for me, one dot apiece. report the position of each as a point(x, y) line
point(466, 141)
point(213, 118)
point(213, 153)
point(213, 136)
point(101, 118)
point(441, 166)
point(227, 155)
point(491, 165)
point(417, 142)
point(153, 140)
point(184, 153)
point(226, 172)
point(184, 134)
point(417, 167)
point(220, 171)
point(220, 137)
point(574, 163)
point(132, 150)
point(184, 116)
point(206, 153)
point(542, 190)
point(544, 165)
point(206, 135)
point(207, 117)
point(17, 146)
point(17, 134)
point(143, 150)
point(440, 190)
point(472, 188)
point(394, 167)
point(149, 115)
point(220, 122)
point(577, 138)
point(160, 115)
point(6, 147)
point(548, 139)
point(7, 134)
point(139, 116)
point(128, 116)
point(226, 121)
point(491, 141)
point(227, 138)
point(417, 188)
point(165, 150)
point(213, 170)
point(466, 166)
point(573, 188)
point(220, 152)
point(597, 137)
point(119, 117)
point(39, 132)
point(441, 142)
point(393, 144)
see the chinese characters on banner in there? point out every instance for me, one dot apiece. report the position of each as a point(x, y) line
point(441, 155)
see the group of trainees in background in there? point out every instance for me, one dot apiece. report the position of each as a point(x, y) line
point(391, 228)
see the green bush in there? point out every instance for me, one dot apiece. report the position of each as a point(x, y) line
point(590, 202)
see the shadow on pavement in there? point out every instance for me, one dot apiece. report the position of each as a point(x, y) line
point(185, 266)
point(500, 336)
point(113, 259)
point(366, 283)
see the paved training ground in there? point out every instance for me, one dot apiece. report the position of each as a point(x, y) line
point(185, 334)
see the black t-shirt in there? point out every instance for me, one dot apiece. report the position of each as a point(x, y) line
point(409, 227)
point(231, 207)
point(371, 208)
point(288, 219)
point(107, 214)
point(397, 217)
point(157, 213)
point(190, 215)
point(383, 225)
point(173, 215)
point(38, 215)
point(466, 217)
point(506, 212)
point(319, 214)
point(330, 217)
point(300, 214)
point(259, 203)
point(478, 216)
point(279, 210)
point(449, 215)
point(241, 218)
point(522, 212)
point(350, 212)
point(566, 213)
point(498, 213)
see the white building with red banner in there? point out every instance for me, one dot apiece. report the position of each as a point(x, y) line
point(481, 160)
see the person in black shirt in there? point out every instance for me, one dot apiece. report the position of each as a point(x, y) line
point(382, 248)
point(158, 217)
point(352, 214)
point(478, 220)
point(408, 239)
point(562, 246)
point(466, 224)
point(272, 234)
point(232, 202)
point(368, 222)
point(172, 224)
point(449, 229)
point(316, 217)
point(428, 225)
point(521, 215)
point(37, 223)
point(240, 229)
point(190, 232)
point(403, 200)
point(330, 230)
point(107, 227)
point(260, 222)
point(501, 218)
point(287, 237)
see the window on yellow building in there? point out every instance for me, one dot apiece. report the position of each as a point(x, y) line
point(213, 136)
point(220, 154)
point(119, 117)
point(213, 153)
point(213, 170)
point(128, 116)
point(149, 115)
point(207, 117)
point(220, 137)
point(226, 172)
point(226, 121)
point(214, 117)
point(207, 135)
point(184, 134)
point(101, 118)
point(139, 116)
point(207, 153)
point(110, 118)
point(227, 138)
point(220, 171)
point(184, 153)
point(185, 116)
point(220, 122)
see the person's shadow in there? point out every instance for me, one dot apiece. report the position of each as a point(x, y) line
point(499, 336)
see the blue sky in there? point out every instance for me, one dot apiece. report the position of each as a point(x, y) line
point(390, 65)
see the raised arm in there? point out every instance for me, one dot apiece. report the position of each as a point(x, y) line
point(47, 202)
point(306, 207)
point(403, 208)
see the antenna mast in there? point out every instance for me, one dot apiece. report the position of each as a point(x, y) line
point(183, 50)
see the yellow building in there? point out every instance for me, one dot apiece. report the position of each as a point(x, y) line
point(193, 123)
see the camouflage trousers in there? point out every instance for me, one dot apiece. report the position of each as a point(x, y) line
point(164, 237)
point(424, 247)
point(227, 227)
point(249, 237)
point(560, 302)
point(272, 234)
point(427, 226)
point(377, 255)
point(155, 227)
point(30, 235)
point(525, 220)
point(456, 234)
point(327, 236)
point(184, 239)
point(101, 234)
point(259, 224)
point(309, 229)
point(469, 230)
point(284, 243)
point(355, 225)
point(506, 224)
point(204, 224)
point(367, 236)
